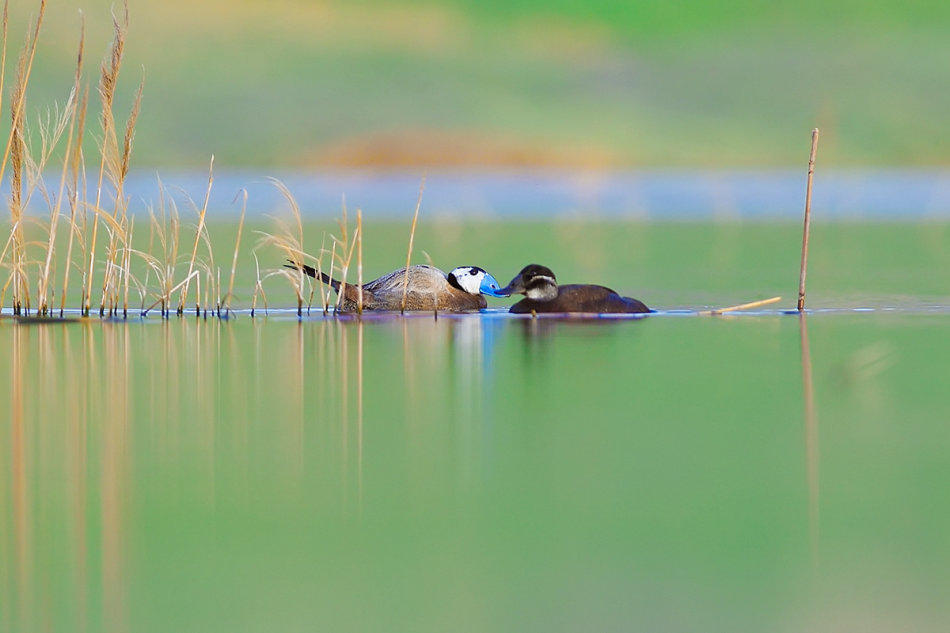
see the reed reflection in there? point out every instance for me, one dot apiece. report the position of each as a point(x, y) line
point(812, 456)
point(23, 554)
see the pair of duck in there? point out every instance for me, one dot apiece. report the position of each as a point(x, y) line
point(462, 290)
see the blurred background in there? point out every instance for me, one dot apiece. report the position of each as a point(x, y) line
point(593, 84)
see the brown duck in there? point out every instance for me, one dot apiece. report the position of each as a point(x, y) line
point(543, 294)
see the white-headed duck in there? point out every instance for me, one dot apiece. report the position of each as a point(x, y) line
point(428, 289)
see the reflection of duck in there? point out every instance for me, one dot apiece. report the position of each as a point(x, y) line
point(542, 294)
point(428, 289)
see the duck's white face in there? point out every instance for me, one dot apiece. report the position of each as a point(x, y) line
point(474, 280)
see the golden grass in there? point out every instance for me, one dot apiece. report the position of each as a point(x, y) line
point(194, 251)
point(118, 263)
point(108, 156)
point(412, 235)
point(237, 246)
point(359, 260)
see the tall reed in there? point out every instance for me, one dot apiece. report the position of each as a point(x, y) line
point(803, 270)
point(72, 109)
point(359, 259)
point(74, 165)
point(118, 172)
point(237, 245)
point(194, 251)
point(412, 235)
point(108, 78)
point(15, 151)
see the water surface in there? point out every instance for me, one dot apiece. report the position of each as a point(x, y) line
point(476, 473)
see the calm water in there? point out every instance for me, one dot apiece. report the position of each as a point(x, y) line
point(486, 473)
point(476, 473)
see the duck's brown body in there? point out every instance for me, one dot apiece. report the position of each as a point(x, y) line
point(428, 289)
point(584, 298)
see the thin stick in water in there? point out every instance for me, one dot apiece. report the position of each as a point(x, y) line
point(412, 235)
point(359, 260)
point(194, 250)
point(237, 245)
point(805, 230)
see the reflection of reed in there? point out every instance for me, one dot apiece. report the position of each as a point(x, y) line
point(76, 458)
point(113, 476)
point(344, 409)
point(359, 414)
point(21, 520)
point(297, 382)
point(407, 370)
point(811, 440)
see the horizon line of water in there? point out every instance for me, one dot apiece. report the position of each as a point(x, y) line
point(688, 194)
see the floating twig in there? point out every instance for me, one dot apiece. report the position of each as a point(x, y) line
point(741, 306)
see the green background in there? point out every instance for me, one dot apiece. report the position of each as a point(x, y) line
point(593, 84)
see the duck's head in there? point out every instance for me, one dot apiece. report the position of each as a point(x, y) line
point(475, 280)
point(535, 282)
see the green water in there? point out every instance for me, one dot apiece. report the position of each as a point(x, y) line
point(493, 474)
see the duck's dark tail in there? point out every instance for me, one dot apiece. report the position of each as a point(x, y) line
point(311, 271)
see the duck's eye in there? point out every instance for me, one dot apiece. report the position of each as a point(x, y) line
point(473, 272)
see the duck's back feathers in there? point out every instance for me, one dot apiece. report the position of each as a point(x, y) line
point(428, 289)
point(585, 298)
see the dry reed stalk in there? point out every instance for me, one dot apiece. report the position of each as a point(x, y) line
point(73, 110)
point(344, 270)
point(326, 300)
point(344, 245)
point(359, 260)
point(258, 288)
point(172, 260)
point(74, 194)
point(16, 150)
point(118, 171)
point(151, 248)
point(108, 77)
point(173, 289)
point(293, 245)
point(3, 255)
point(208, 266)
point(168, 232)
point(741, 306)
point(194, 250)
point(237, 245)
point(127, 269)
point(4, 21)
point(313, 286)
point(16, 201)
point(29, 52)
point(412, 235)
point(153, 265)
point(807, 226)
